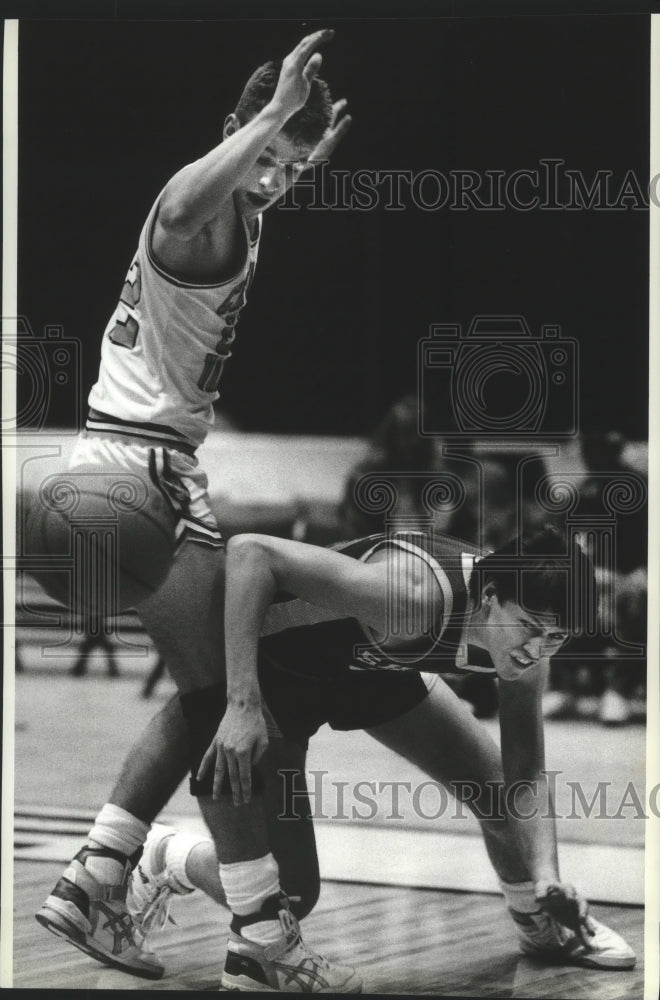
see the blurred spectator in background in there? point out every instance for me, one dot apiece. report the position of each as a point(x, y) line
point(395, 447)
point(611, 677)
point(508, 485)
point(95, 637)
point(156, 673)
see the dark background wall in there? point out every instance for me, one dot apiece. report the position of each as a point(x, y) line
point(109, 110)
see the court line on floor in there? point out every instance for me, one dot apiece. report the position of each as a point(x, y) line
point(354, 852)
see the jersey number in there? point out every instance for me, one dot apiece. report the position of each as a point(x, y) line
point(211, 373)
point(228, 311)
point(126, 328)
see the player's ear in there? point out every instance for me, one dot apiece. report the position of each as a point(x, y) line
point(231, 125)
point(488, 595)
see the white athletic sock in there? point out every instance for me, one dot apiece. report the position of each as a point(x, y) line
point(119, 830)
point(247, 885)
point(520, 897)
point(264, 933)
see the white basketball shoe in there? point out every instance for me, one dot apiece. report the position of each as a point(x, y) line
point(152, 886)
point(287, 965)
point(541, 937)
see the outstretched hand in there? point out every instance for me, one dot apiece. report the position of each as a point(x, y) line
point(561, 901)
point(239, 743)
point(298, 70)
point(336, 131)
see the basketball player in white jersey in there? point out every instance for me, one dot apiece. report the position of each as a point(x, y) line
point(163, 352)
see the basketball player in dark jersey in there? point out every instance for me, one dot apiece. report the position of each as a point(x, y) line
point(340, 621)
point(360, 637)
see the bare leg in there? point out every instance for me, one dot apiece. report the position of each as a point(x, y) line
point(184, 619)
point(155, 765)
point(441, 736)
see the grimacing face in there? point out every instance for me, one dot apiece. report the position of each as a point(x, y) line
point(517, 639)
point(275, 171)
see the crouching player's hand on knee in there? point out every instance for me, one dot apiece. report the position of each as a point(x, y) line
point(565, 905)
point(239, 743)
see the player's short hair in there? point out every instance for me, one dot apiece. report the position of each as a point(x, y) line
point(544, 573)
point(307, 125)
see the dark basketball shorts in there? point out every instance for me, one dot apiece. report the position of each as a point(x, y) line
point(297, 703)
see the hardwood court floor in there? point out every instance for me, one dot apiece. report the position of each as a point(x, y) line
point(402, 940)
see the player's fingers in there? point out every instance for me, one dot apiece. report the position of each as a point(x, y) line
point(327, 146)
point(587, 930)
point(234, 780)
point(245, 778)
point(219, 774)
point(206, 762)
point(340, 131)
point(244, 771)
point(584, 935)
point(312, 67)
point(337, 108)
point(309, 43)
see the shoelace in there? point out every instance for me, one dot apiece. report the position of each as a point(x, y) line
point(291, 924)
point(157, 912)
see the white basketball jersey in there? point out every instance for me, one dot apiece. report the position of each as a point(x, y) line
point(165, 347)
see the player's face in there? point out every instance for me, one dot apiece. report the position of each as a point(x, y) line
point(277, 169)
point(517, 639)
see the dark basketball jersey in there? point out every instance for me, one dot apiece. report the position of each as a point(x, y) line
point(303, 638)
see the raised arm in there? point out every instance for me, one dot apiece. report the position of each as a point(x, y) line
point(259, 566)
point(196, 193)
